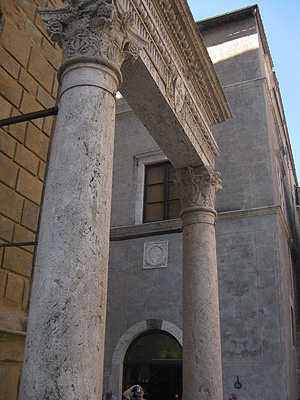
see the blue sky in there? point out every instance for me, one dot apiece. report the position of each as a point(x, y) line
point(281, 20)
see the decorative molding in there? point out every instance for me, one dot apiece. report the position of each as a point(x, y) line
point(176, 53)
point(197, 187)
point(250, 212)
point(257, 212)
point(93, 30)
point(244, 84)
point(155, 255)
point(145, 230)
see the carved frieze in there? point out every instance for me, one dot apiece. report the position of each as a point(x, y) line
point(197, 187)
point(93, 30)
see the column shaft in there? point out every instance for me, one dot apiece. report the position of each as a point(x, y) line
point(202, 369)
point(65, 337)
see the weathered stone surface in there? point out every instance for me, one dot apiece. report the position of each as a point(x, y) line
point(13, 291)
point(10, 88)
point(30, 215)
point(7, 144)
point(26, 159)
point(200, 300)
point(11, 203)
point(29, 186)
point(8, 171)
point(6, 228)
point(37, 142)
point(78, 195)
point(18, 260)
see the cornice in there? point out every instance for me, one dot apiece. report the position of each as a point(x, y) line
point(148, 229)
point(251, 212)
point(198, 66)
point(166, 227)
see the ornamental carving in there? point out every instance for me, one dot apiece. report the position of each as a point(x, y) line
point(155, 255)
point(180, 92)
point(197, 187)
point(95, 30)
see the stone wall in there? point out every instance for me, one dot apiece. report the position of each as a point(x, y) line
point(28, 68)
point(252, 230)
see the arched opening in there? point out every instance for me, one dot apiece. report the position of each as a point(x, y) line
point(154, 361)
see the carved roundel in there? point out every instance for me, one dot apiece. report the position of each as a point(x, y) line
point(155, 255)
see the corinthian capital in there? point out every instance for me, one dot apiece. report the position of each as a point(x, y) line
point(93, 30)
point(197, 187)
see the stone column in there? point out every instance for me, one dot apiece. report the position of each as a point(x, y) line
point(65, 338)
point(202, 369)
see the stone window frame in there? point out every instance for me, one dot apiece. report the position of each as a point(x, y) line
point(141, 160)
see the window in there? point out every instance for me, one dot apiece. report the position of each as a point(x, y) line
point(161, 200)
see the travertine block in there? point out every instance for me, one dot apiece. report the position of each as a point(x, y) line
point(37, 141)
point(6, 228)
point(14, 290)
point(18, 260)
point(28, 82)
point(5, 108)
point(29, 8)
point(9, 63)
point(11, 203)
point(15, 42)
point(38, 20)
point(42, 170)
point(25, 295)
point(51, 53)
point(17, 130)
point(23, 235)
point(3, 276)
point(7, 144)
point(47, 125)
point(9, 375)
point(8, 171)
point(33, 34)
point(28, 105)
point(41, 69)
point(44, 98)
point(29, 186)
point(55, 88)
point(26, 159)
point(10, 88)
point(30, 215)
point(13, 349)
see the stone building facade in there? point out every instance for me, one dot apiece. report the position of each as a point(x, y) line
point(257, 227)
point(257, 230)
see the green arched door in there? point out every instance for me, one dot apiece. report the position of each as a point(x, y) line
point(154, 361)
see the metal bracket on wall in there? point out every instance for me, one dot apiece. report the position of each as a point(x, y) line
point(28, 117)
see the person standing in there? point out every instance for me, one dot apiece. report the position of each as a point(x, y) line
point(138, 392)
point(109, 396)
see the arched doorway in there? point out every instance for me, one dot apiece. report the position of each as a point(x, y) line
point(154, 360)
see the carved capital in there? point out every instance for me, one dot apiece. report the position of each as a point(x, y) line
point(93, 30)
point(197, 188)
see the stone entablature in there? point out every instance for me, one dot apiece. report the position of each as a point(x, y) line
point(172, 54)
point(178, 61)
